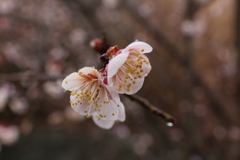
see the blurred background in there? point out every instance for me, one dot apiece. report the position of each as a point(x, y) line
point(195, 77)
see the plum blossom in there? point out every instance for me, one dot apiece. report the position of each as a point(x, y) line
point(96, 93)
point(128, 67)
point(90, 96)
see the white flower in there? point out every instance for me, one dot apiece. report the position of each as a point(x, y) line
point(106, 124)
point(128, 67)
point(90, 96)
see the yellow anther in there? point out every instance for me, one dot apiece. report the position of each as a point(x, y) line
point(64, 90)
point(134, 82)
point(84, 86)
point(129, 60)
point(80, 73)
point(128, 89)
point(141, 70)
point(142, 50)
point(89, 102)
point(139, 76)
point(95, 109)
point(113, 114)
point(118, 105)
point(135, 77)
point(104, 116)
point(100, 106)
point(66, 82)
point(89, 116)
point(99, 110)
point(129, 85)
point(93, 80)
point(85, 111)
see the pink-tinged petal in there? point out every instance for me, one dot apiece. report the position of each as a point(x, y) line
point(121, 113)
point(105, 124)
point(79, 106)
point(72, 82)
point(116, 62)
point(141, 46)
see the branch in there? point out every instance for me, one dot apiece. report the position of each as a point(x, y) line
point(156, 111)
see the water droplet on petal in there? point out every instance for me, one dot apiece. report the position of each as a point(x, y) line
point(169, 124)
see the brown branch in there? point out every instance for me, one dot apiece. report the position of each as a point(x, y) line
point(156, 111)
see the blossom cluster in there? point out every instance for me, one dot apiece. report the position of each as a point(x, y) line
point(95, 93)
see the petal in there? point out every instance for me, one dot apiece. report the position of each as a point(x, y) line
point(146, 67)
point(88, 70)
point(72, 82)
point(107, 104)
point(79, 106)
point(110, 111)
point(121, 113)
point(134, 87)
point(116, 62)
point(141, 46)
point(105, 124)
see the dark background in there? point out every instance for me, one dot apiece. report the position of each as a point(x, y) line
point(194, 77)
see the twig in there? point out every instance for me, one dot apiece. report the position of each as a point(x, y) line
point(156, 111)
